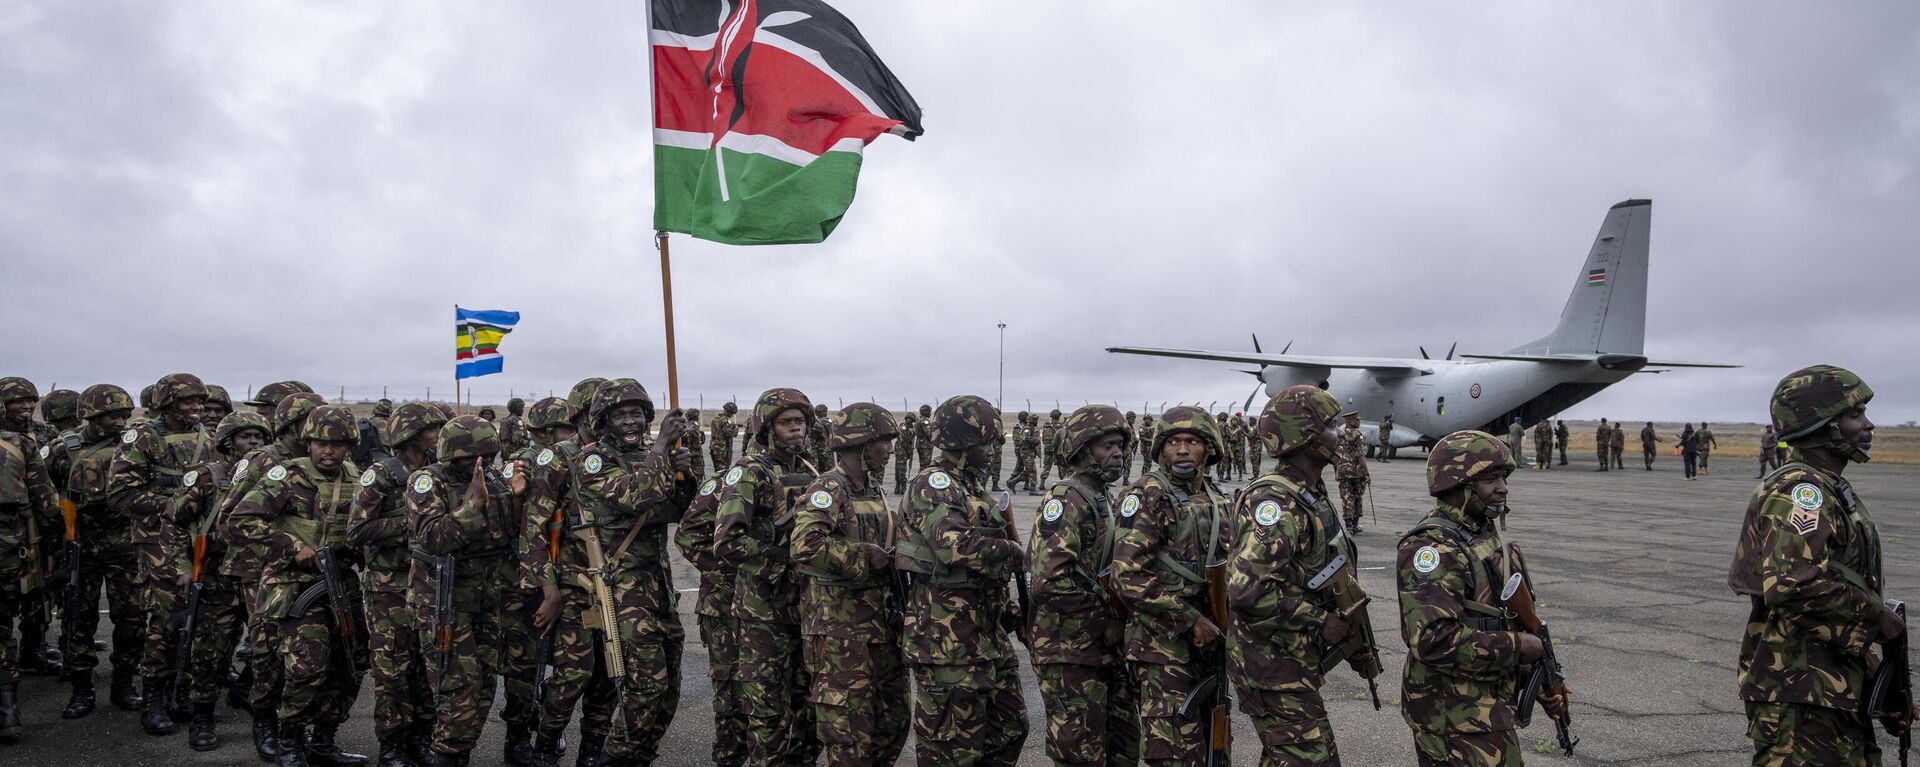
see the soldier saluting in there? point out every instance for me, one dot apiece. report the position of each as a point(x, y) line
point(1809, 559)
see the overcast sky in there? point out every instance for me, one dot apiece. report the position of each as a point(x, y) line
point(256, 191)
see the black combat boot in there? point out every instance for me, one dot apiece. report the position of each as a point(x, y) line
point(266, 731)
point(418, 740)
point(237, 699)
point(518, 748)
point(546, 750)
point(122, 691)
point(9, 711)
point(592, 747)
point(293, 746)
point(393, 752)
point(200, 736)
point(322, 750)
point(153, 707)
point(81, 704)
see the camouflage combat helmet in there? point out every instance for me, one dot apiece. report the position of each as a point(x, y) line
point(467, 436)
point(101, 399)
point(177, 387)
point(1192, 420)
point(146, 397)
point(1020, 417)
point(217, 395)
point(410, 420)
point(926, 411)
point(1808, 398)
point(1294, 418)
point(1087, 425)
point(693, 414)
point(383, 408)
point(60, 405)
point(859, 424)
point(1055, 414)
point(616, 392)
point(330, 423)
point(729, 408)
point(446, 411)
point(965, 421)
point(912, 417)
point(15, 388)
point(774, 401)
point(293, 409)
point(1131, 416)
point(271, 394)
point(235, 423)
point(580, 397)
point(548, 413)
point(487, 413)
point(516, 405)
point(1462, 457)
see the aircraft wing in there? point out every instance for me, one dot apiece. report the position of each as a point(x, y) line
point(1282, 360)
point(1547, 358)
point(1610, 361)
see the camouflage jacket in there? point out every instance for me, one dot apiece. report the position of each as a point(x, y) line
point(1647, 438)
point(1542, 436)
point(1350, 458)
point(1285, 532)
point(1704, 438)
point(753, 531)
point(1386, 432)
point(1809, 558)
point(695, 540)
point(1560, 434)
point(244, 560)
point(377, 524)
point(1463, 657)
point(29, 512)
point(1619, 437)
point(1050, 436)
point(630, 498)
point(922, 436)
point(961, 555)
point(1143, 441)
point(195, 510)
point(542, 528)
point(832, 528)
point(513, 434)
point(146, 474)
point(1167, 537)
point(442, 523)
point(553, 474)
point(722, 430)
point(85, 457)
point(292, 506)
point(1603, 437)
point(1070, 550)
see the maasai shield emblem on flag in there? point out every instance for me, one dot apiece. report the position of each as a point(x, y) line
point(477, 334)
point(760, 111)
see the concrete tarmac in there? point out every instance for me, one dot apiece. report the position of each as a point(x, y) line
point(1630, 565)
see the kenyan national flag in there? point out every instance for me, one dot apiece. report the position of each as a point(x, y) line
point(760, 111)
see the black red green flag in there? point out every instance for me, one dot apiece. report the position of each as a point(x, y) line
point(761, 109)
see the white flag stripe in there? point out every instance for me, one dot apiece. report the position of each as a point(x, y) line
point(682, 139)
point(813, 57)
point(672, 39)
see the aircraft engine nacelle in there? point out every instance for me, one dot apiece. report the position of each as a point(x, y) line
point(1279, 377)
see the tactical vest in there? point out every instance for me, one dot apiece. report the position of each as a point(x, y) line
point(89, 467)
point(1103, 506)
point(1193, 516)
point(626, 534)
point(184, 449)
point(916, 554)
point(1326, 536)
point(14, 451)
point(390, 557)
point(863, 519)
point(1482, 603)
point(332, 501)
point(1862, 570)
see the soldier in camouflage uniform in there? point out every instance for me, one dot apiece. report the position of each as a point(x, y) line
point(152, 461)
point(80, 463)
point(61, 409)
point(1018, 436)
point(1618, 444)
point(220, 616)
point(1281, 631)
point(999, 452)
point(1173, 525)
point(1704, 437)
point(378, 526)
point(1386, 439)
point(817, 431)
point(456, 508)
point(923, 440)
point(1542, 445)
point(628, 491)
point(1234, 430)
point(1050, 446)
point(753, 535)
point(513, 428)
point(1126, 472)
point(1603, 445)
point(1350, 471)
point(1809, 558)
point(714, 616)
point(298, 508)
point(533, 604)
point(1560, 436)
point(1464, 651)
point(903, 454)
point(720, 437)
point(967, 706)
point(1143, 439)
point(218, 406)
point(375, 443)
point(694, 440)
point(28, 515)
point(1223, 471)
point(1076, 630)
point(267, 400)
point(1255, 448)
point(843, 541)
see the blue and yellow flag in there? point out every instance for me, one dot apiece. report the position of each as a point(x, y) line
point(477, 334)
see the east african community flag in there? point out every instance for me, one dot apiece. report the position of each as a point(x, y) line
point(476, 340)
point(760, 111)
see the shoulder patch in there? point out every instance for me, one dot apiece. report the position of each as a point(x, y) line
point(423, 484)
point(706, 488)
point(127, 437)
point(1130, 506)
point(939, 480)
point(1804, 520)
point(1267, 513)
point(277, 473)
point(186, 481)
point(545, 457)
point(1426, 560)
point(593, 464)
point(1806, 496)
point(820, 499)
point(44, 450)
point(1053, 510)
point(733, 475)
point(240, 470)
point(506, 471)
point(366, 478)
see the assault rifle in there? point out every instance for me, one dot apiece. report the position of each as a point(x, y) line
point(339, 604)
point(1214, 692)
point(1546, 673)
point(1003, 508)
point(1343, 597)
point(70, 596)
point(1891, 696)
point(183, 633)
point(443, 574)
point(543, 650)
point(598, 580)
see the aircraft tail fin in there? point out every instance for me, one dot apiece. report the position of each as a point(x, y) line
point(1607, 311)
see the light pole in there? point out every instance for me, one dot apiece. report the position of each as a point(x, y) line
point(1003, 367)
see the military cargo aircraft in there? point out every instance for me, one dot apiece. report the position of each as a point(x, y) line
point(1598, 342)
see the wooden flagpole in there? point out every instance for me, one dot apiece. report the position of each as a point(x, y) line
point(456, 364)
point(666, 303)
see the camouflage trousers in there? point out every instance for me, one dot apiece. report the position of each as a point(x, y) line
point(1606, 458)
point(968, 715)
point(216, 628)
point(859, 697)
point(1353, 498)
point(1542, 456)
point(729, 720)
point(315, 683)
point(517, 664)
point(1093, 713)
point(1167, 738)
point(699, 459)
point(117, 572)
point(466, 685)
point(923, 454)
point(721, 452)
point(162, 596)
point(1253, 465)
point(579, 676)
point(646, 597)
point(12, 605)
point(1467, 749)
point(1051, 461)
point(1799, 735)
point(402, 683)
point(264, 639)
point(1293, 728)
point(770, 682)
point(1619, 458)
point(1703, 459)
point(900, 460)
